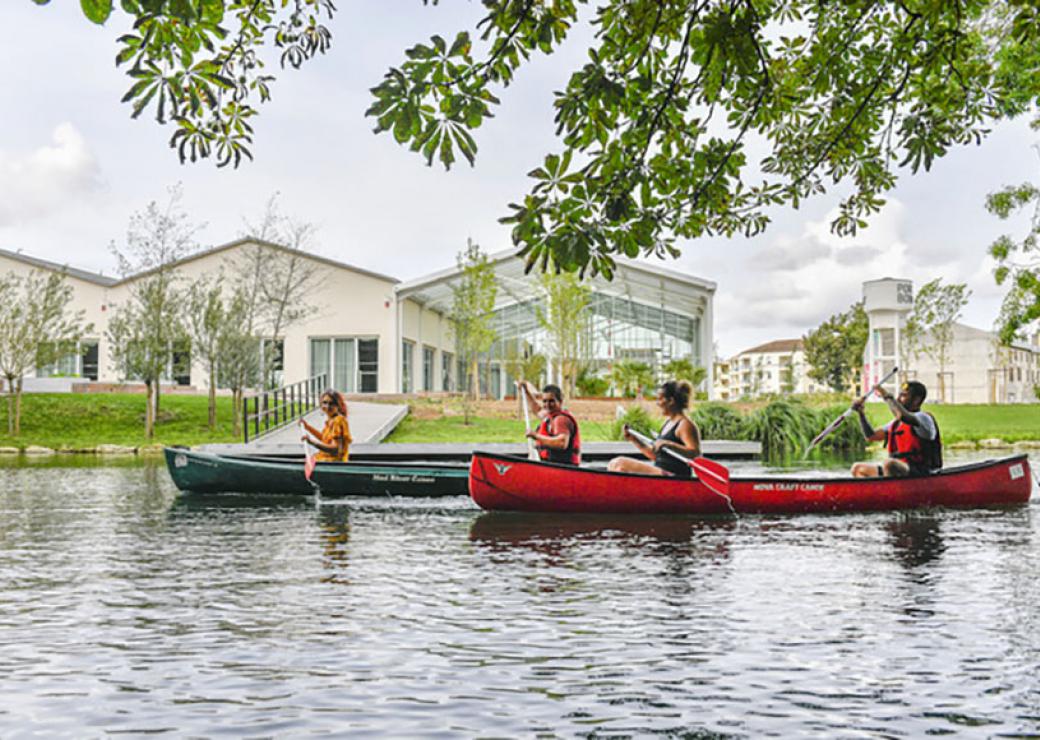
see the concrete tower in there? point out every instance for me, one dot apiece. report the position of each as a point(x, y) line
point(887, 303)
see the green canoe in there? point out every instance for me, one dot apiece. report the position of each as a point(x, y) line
point(206, 472)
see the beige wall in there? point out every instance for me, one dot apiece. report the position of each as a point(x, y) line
point(88, 297)
point(425, 328)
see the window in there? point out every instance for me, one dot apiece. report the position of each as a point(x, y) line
point(89, 359)
point(447, 371)
point(349, 364)
point(427, 368)
point(407, 353)
point(368, 365)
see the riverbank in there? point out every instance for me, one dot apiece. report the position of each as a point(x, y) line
point(113, 424)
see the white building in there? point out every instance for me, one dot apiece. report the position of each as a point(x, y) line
point(979, 369)
point(771, 368)
point(372, 334)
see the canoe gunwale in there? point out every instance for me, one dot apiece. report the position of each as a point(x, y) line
point(945, 472)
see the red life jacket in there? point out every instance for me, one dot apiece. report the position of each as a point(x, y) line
point(904, 444)
point(571, 455)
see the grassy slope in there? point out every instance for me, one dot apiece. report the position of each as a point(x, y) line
point(81, 421)
point(969, 422)
point(71, 421)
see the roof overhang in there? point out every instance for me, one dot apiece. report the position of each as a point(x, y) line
point(636, 281)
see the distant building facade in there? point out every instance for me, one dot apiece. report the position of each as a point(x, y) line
point(979, 369)
point(370, 333)
point(772, 368)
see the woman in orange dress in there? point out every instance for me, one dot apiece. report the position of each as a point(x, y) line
point(332, 442)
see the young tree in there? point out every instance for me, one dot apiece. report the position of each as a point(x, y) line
point(682, 368)
point(472, 314)
point(936, 309)
point(277, 275)
point(836, 93)
point(240, 364)
point(631, 378)
point(564, 317)
point(206, 322)
point(834, 349)
point(144, 329)
point(36, 330)
point(1018, 262)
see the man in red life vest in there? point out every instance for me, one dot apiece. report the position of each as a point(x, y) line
point(557, 438)
point(912, 440)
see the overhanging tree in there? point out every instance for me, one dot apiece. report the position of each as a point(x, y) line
point(1018, 260)
point(656, 126)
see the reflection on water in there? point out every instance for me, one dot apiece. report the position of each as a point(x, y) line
point(128, 608)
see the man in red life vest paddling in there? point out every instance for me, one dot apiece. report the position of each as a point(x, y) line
point(912, 440)
point(557, 438)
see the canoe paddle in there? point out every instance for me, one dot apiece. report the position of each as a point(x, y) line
point(713, 475)
point(521, 392)
point(837, 422)
point(309, 459)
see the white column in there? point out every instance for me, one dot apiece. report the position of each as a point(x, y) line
point(708, 342)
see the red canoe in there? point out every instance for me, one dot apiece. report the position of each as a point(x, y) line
point(508, 483)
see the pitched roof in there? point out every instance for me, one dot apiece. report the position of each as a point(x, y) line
point(90, 277)
point(777, 345)
point(272, 245)
point(97, 279)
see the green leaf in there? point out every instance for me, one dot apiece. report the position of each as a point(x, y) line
point(96, 10)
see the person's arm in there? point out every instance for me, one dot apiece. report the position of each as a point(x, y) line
point(899, 411)
point(313, 431)
point(561, 436)
point(648, 452)
point(532, 404)
point(869, 433)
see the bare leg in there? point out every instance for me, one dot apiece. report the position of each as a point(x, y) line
point(866, 470)
point(896, 468)
point(628, 465)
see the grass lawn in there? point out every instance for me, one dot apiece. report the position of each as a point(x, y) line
point(480, 429)
point(1009, 422)
point(78, 421)
point(85, 420)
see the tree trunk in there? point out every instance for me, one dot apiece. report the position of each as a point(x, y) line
point(155, 401)
point(149, 412)
point(236, 412)
point(10, 405)
point(212, 400)
point(17, 407)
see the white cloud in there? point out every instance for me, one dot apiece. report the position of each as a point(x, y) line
point(793, 284)
point(43, 181)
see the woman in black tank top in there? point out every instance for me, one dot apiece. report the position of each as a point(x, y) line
point(679, 433)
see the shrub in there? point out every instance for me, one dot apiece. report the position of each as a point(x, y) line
point(783, 427)
point(846, 439)
point(636, 417)
point(718, 421)
point(589, 384)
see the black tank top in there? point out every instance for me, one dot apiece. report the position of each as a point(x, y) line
point(665, 460)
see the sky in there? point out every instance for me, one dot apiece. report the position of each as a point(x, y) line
point(74, 167)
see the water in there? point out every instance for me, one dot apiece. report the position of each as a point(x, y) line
point(126, 608)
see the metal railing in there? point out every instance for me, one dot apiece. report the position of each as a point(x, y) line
point(276, 408)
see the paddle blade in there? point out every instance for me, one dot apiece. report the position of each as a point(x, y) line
point(309, 462)
point(712, 474)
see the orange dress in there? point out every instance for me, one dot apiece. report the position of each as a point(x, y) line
point(335, 429)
